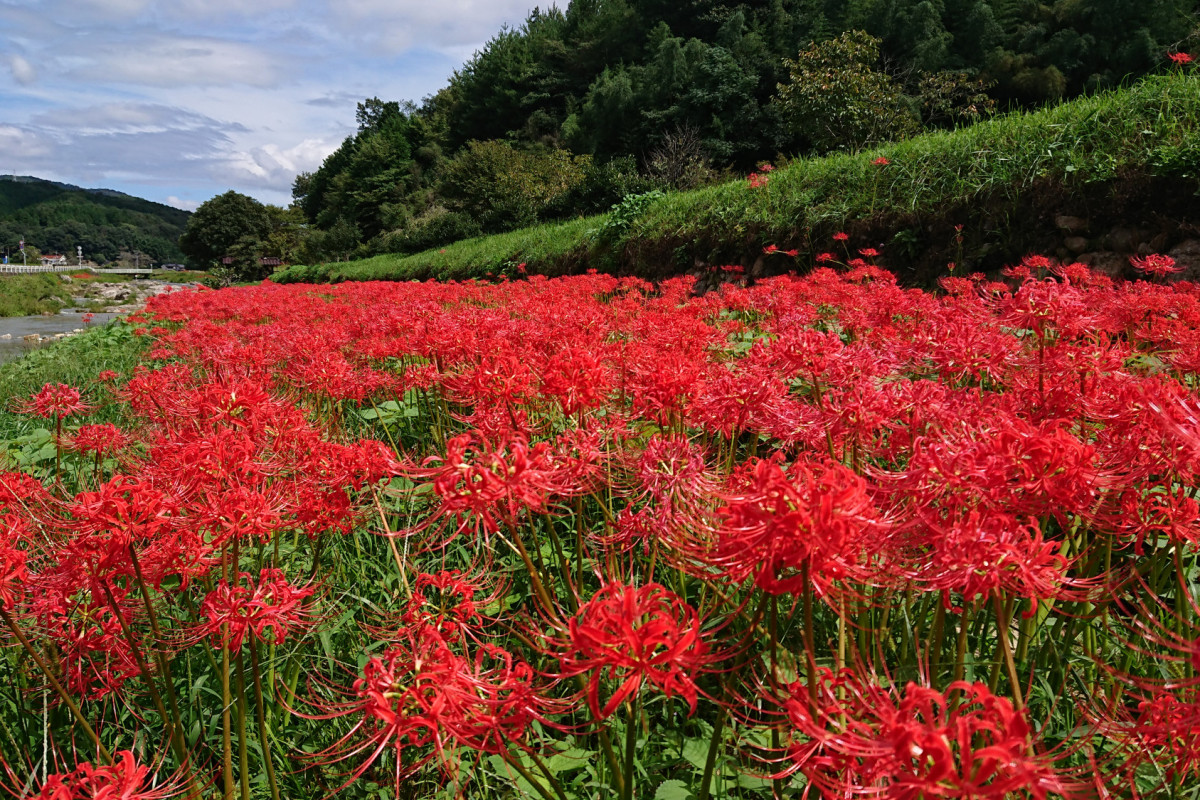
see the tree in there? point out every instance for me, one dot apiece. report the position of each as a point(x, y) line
point(839, 100)
point(221, 223)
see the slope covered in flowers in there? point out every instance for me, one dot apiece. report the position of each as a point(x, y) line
point(588, 536)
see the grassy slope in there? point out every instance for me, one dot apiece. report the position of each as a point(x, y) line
point(24, 295)
point(1150, 129)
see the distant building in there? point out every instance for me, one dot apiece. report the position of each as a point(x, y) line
point(53, 260)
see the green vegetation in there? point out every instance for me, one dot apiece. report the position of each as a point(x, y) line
point(972, 176)
point(579, 107)
point(57, 218)
point(75, 361)
point(25, 295)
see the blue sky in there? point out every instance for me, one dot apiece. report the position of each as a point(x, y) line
point(180, 100)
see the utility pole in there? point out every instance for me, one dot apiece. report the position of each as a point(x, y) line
point(79, 254)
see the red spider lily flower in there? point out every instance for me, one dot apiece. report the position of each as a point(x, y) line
point(861, 739)
point(1155, 265)
point(100, 439)
point(449, 603)
point(55, 401)
point(824, 258)
point(125, 779)
point(633, 635)
point(841, 237)
point(771, 248)
point(424, 701)
point(270, 603)
point(13, 571)
point(577, 379)
point(766, 168)
point(868, 252)
point(484, 485)
point(757, 181)
point(881, 162)
point(812, 523)
point(107, 375)
point(1180, 58)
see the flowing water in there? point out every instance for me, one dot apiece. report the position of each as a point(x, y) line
point(17, 327)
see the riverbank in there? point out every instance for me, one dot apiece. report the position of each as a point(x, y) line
point(49, 293)
point(21, 335)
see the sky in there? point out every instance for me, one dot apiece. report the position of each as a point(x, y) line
point(178, 101)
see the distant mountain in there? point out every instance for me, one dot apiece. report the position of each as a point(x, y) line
point(58, 217)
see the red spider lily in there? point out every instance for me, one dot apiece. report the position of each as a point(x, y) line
point(841, 237)
point(237, 610)
point(1180, 58)
point(482, 485)
point(633, 635)
point(757, 180)
point(1154, 265)
point(881, 162)
point(787, 529)
point(424, 701)
point(449, 603)
point(125, 779)
point(99, 439)
point(863, 740)
point(13, 571)
point(868, 252)
point(55, 402)
point(107, 375)
point(577, 379)
point(824, 258)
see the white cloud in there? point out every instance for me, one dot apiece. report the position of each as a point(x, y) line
point(186, 205)
point(20, 144)
point(169, 61)
point(274, 167)
point(22, 71)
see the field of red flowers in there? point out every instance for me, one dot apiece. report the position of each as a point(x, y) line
point(817, 537)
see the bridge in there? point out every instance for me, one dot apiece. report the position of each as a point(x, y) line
point(20, 269)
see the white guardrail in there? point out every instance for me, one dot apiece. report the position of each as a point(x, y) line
point(18, 269)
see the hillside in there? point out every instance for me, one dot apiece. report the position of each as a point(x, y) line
point(1125, 161)
point(588, 101)
point(58, 217)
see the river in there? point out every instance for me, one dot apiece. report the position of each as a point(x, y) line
point(16, 327)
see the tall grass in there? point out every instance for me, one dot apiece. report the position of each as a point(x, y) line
point(25, 295)
point(1149, 129)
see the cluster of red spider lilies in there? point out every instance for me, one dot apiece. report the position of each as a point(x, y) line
point(817, 536)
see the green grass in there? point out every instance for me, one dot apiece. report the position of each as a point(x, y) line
point(25, 295)
point(1151, 130)
point(75, 361)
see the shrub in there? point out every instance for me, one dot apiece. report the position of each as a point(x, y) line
point(839, 100)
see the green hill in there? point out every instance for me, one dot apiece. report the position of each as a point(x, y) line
point(58, 217)
point(1129, 157)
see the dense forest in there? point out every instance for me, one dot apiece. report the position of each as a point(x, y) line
point(583, 106)
point(56, 218)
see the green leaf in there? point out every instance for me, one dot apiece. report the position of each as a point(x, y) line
point(672, 790)
point(568, 760)
point(695, 752)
